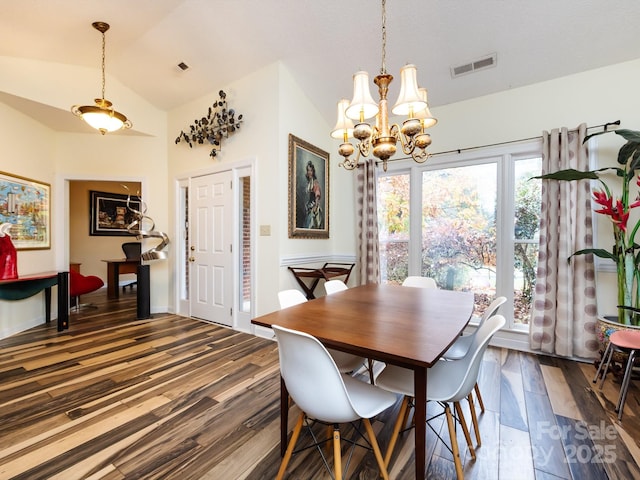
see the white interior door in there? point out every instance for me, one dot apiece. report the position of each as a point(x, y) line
point(210, 252)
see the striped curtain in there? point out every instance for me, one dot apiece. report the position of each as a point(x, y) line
point(563, 318)
point(368, 259)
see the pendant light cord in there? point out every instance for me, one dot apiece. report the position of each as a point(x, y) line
point(103, 58)
point(383, 68)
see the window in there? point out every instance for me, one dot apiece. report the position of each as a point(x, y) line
point(468, 220)
point(393, 226)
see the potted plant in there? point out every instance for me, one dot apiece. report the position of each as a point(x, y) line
point(625, 252)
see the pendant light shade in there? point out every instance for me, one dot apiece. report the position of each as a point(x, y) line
point(409, 101)
point(344, 125)
point(102, 116)
point(425, 116)
point(362, 106)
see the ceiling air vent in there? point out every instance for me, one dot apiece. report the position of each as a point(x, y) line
point(480, 64)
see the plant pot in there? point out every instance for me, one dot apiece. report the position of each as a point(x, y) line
point(605, 326)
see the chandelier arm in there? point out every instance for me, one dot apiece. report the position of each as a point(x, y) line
point(407, 143)
point(420, 155)
point(364, 146)
point(350, 164)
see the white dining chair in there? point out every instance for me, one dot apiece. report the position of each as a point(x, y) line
point(447, 382)
point(334, 286)
point(461, 346)
point(419, 282)
point(289, 298)
point(346, 362)
point(322, 393)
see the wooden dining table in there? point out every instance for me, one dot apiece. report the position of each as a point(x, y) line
point(404, 326)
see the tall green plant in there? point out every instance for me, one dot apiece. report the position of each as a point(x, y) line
point(625, 252)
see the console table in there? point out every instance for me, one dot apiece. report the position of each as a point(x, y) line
point(328, 271)
point(114, 268)
point(26, 286)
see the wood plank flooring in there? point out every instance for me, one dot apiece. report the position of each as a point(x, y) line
point(171, 397)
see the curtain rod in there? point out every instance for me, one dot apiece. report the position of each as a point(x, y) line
point(460, 150)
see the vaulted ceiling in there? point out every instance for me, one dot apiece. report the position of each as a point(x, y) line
point(323, 42)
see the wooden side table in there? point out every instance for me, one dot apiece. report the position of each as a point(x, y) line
point(328, 271)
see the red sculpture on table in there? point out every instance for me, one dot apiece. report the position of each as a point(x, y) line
point(8, 255)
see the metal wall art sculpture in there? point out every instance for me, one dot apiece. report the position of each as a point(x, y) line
point(219, 123)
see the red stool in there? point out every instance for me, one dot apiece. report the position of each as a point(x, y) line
point(627, 341)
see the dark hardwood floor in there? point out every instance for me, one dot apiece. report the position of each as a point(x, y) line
point(172, 397)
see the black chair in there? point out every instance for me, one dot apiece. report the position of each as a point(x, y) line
point(132, 251)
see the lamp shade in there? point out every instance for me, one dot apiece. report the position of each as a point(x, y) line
point(425, 115)
point(409, 100)
point(101, 116)
point(362, 106)
point(344, 124)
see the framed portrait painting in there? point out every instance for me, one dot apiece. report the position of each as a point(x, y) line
point(26, 204)
point(308, 190)
point(110, 214)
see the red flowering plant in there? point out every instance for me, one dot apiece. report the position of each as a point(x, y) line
point(625, 252)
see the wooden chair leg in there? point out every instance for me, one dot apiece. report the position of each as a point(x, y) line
point(292, 444)
point(474, 419)
point(465, 428)
point(454, 443)
point(477, 389)
point(337, 454)
point(376, 448)
point(327, 446)
point(400, 422)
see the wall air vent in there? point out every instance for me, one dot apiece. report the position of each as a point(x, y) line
point(479, 64)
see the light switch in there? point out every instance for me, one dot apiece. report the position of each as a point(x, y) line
point(265, 230)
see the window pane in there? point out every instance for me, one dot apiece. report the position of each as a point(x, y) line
point(245, 244)
point(526, 231)
point(459, 229)
point(393, 227)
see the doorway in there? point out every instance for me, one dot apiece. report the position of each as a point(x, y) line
point(86, 249)
point(214, 258)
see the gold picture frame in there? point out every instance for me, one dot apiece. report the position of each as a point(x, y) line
point(308, 194)
point(26, 204)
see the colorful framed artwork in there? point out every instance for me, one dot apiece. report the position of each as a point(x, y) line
point(26, 204)
point(110, 214)
point(308, 190)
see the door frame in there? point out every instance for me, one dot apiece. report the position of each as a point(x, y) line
point(239, 169)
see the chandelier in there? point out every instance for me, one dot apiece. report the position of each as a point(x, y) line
point(102, 116)
point(381, 138)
